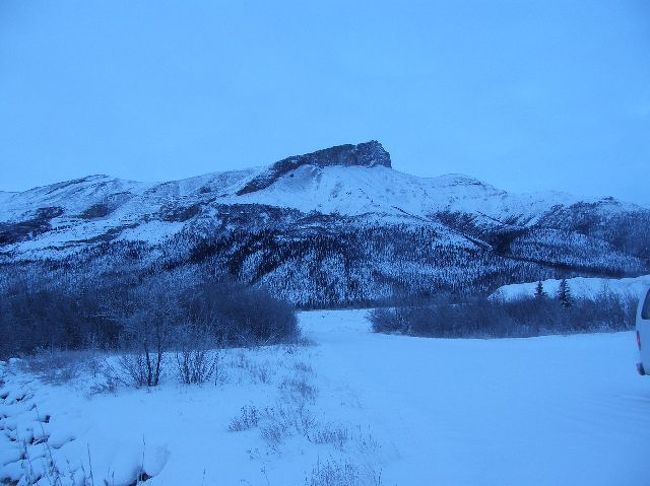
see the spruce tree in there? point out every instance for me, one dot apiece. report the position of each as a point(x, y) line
point(540, 293)
point(564, 293)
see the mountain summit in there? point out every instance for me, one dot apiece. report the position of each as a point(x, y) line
point(368, 154)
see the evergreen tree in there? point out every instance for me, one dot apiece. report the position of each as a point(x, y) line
point(540, 293)
point(564, 293)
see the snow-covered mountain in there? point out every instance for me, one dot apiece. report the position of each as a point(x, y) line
point(337, 226)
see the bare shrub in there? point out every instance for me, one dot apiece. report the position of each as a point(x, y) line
point(331, 434)
point(299, 389)
point(241, 315)
point(274, 433)
point(278, 423)
point(519, 318)
point(366, 442)
point(259, 373)
point(303, 367)
point(304, 421)
point(275, 423)
point(390, 321)
point(38, 312)
point(342, 473)
point(148, 316)
point(249, 417)
point(196, 364)
point(109, 384)
point(67, 311)
point(58, 367)
point(139, 370)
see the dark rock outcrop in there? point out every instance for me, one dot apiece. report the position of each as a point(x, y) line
point(368, 154)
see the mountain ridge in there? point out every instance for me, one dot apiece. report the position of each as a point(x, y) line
point(337, 226)
point(373, 154)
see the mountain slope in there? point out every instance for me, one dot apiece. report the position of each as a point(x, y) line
point(335, 227)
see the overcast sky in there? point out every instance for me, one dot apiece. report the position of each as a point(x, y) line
point(526, 95)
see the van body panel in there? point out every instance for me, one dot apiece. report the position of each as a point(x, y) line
point(643, 328)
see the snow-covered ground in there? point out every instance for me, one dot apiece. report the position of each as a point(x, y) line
point(582, 287)
point(384, 409)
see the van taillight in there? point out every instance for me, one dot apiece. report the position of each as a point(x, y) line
point(638, 340)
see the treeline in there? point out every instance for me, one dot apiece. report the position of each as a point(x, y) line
point(484, 318)
point(65, 311)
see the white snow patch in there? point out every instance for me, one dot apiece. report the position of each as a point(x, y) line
point(581, 287)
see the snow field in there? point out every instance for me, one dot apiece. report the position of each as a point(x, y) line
point(259, 422)
point(557, 410)
point(354, 409)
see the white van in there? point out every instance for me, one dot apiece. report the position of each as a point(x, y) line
point(643, 333)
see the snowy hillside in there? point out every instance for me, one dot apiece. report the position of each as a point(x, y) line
point(355, 409)
point(337, 226)
point(580, 287)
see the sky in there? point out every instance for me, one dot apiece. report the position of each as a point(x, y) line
point(526, 95)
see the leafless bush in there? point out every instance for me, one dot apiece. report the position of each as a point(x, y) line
point(148, 316)
point(72, 312)
point(58, 367)
point(519, 318)
point(332, 434)
point(274, 432)
point(249, 417)
point(195, 366)
point(366, 442)
point(141, 369)
point(304, 421)
point(242, 316)
point(275, 423)
point(342, 473)
point(109, 384)
point(279, 423)
point(38, 312)
point(299, 389)
point(196, 363)
point(259, 373)
point(303, 367)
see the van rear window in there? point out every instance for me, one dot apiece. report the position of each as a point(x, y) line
point(645, 312)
